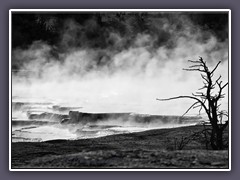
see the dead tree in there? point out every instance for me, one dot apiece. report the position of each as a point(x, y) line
point(207, 100)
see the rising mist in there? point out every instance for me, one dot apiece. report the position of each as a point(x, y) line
point(106, 69)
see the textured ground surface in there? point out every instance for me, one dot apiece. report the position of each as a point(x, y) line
point(149, 149)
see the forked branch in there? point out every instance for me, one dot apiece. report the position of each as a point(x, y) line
point(188, 97)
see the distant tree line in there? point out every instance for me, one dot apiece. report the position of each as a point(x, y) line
point(29, 27)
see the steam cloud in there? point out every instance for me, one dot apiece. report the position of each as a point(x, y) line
point(127, 73)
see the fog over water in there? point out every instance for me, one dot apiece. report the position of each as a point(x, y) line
point(126, 74)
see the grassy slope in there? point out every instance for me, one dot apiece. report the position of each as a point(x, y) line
point(149, 149)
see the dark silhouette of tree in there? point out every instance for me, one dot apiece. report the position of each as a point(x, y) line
point(209, 101)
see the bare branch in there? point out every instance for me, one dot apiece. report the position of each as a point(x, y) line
point(200, 94)
point(189, 97)
point(193, 70)
point(193, 61)
point(224, 113)
point(208, 100)
point(197, 65)
point(220, 95)
point(225, 85)
point(205, 78)
point(202, 106)
point(202, 88)
point(218, 78)
point(215, 67)
point(190, 108)
point(219, 105)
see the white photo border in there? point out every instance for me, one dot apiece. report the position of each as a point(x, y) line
point(117, 10)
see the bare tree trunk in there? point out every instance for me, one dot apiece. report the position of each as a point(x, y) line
point(220, 139)
point(213, 139)
point(217, 139)
point(208, 101)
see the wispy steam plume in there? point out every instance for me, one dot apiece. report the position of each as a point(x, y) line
point(101, 69)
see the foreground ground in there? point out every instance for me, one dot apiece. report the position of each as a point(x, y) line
point(149, 149)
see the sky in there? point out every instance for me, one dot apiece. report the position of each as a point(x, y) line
point(116, 62)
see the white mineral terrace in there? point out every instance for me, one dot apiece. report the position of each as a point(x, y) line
point(42, 120)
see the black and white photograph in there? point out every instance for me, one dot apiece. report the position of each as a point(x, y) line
point(120, 90)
